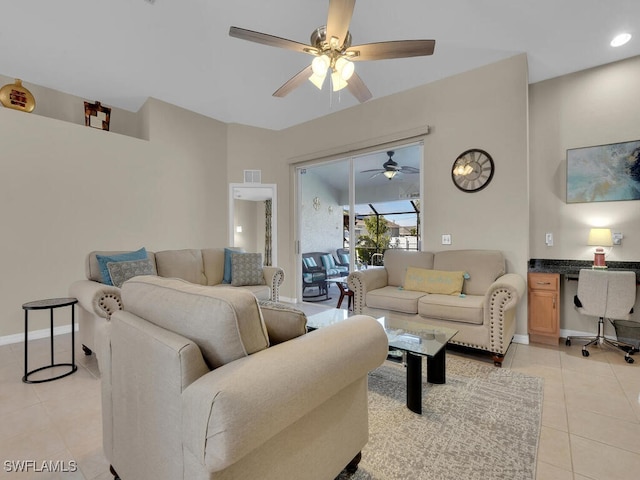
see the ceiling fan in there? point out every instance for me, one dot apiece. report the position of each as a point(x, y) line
point(390, 168)
point(331, 47)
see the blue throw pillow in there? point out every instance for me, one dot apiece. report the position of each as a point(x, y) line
point(103, 260)
point(226, 276)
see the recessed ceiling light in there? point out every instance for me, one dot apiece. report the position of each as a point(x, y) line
point(621, 39)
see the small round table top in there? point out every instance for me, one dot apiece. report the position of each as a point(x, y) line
point(49, 303)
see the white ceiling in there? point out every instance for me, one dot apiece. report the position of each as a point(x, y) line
point(121, 52)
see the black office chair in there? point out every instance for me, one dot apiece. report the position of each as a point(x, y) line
point(606, 294)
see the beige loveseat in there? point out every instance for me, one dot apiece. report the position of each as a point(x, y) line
point(484, 313)
point(192, 387)
point(97, 301)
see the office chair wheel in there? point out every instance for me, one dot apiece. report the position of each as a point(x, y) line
point(628, 359)
point(585, 353)
point(568, 342)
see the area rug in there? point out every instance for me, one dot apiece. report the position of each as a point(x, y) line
point(484, 423)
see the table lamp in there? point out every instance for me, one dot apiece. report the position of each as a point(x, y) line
point(600, 237)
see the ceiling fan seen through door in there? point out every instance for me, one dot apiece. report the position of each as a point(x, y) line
point(334, 55)
point(390, 168)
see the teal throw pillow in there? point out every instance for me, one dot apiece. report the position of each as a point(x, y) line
point(227, 274)
point(103, 260)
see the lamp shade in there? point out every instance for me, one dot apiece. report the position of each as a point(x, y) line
point(600, 237)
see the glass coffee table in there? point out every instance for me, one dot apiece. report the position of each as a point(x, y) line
point(414, 339)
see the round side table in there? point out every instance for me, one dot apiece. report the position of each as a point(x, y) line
point(49, 304)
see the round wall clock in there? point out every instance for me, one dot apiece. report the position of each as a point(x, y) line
point(472, 170)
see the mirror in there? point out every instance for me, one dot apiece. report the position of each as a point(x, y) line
point(249, 219)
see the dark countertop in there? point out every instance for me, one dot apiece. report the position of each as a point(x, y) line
point(571, 268)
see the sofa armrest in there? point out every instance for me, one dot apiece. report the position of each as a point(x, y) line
point(234, 409)
point(364, 281)
point(500, 305)
point(273, 276)
point(97, 298)
point(282, 321)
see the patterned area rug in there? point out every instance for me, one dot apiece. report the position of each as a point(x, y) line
point(484, 423)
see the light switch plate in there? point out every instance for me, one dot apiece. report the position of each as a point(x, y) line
point(617, 238)
point(446, 239)
point(548, 239)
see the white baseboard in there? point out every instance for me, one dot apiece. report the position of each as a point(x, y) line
point(36, 334)
point(523, 339)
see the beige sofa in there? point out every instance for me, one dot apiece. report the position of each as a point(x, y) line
point(97, 301)
point(484, 313)
point(193, 389)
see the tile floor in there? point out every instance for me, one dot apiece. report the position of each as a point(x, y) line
point(590, 425)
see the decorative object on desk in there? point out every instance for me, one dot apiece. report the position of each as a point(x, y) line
point(96, 115)
point(473, 170)
point(16, 96)
point(600, 237)
point(604, 173)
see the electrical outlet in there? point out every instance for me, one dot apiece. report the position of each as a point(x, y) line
point(446, 239)
point(548, 239)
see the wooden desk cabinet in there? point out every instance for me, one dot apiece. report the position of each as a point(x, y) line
point(544, 307)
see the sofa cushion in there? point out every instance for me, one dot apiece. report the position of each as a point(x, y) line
point(467, 309)
point(434, 281)
point(213, 260)
point(394, 298)
point(225, 323)
point(185, 264)
point(483, 267)
point(103, 260)
point(396, 262)
point(246, 269)
point(120, 272)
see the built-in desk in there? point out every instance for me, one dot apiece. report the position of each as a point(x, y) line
point(571, 268)
point(544, 293)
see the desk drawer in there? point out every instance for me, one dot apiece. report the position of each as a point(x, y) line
point(543, 281)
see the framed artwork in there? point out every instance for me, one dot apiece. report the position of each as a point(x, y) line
point(97, 116)
point(604, 173)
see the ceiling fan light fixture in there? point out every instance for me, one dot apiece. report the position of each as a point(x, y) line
point(345, 68)
point(317, 80)
point(390, 174)
point(338, 82)
point(320, 64)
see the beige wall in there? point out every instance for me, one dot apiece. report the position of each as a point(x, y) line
point(66, 189)
point(485, 108)
point(592, 107)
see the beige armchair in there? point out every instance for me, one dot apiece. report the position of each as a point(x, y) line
point(193, 390)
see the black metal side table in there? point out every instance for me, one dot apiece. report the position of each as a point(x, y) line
point(49, 304)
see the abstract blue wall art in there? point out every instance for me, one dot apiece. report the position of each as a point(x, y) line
point(604, 173)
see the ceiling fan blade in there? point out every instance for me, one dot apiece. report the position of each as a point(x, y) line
point(271, 40)
point(358, 89)
point(294, 82)
point(375, 175)
point(393, 49)
point(406, 169)
point(380, 170)
point(339, 18)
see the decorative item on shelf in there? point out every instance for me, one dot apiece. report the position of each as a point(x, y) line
point(316, 203)
point(472, 170)
point(600, 237)
point(16, 96)
point(96, 115)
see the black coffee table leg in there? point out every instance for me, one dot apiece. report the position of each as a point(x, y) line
point(414, 382)
point(436, 367)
